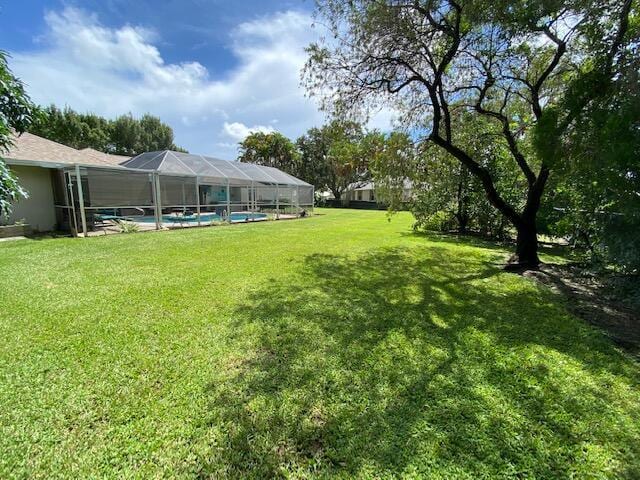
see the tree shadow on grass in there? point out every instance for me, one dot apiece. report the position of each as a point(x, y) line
point(413, 361)
point(460, 239)
point(475, 240)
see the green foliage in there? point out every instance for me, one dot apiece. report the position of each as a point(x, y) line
point(154, 135)
point(17, 112)
point(332, 157)
point(545, 137)
point(341, 346)
point(393, 164)
point(336, 156)
point(126, 135)
point(597, 193)
point(434, 221)
point(73, 129)
point(530, 69)
point(446, 189)
point(131, 136)
point(314, 148)
point(446, 196)
point(125, 132)
point(128, 227)
point(270, 149)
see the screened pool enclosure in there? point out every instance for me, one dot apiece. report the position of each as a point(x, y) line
point(168, 189)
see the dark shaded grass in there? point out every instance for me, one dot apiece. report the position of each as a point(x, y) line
point(415, 362)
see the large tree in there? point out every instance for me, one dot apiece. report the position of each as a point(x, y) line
point(530, 67)
point(17, 112)
point(270, 149)
point(335, 156)
point(129, 135)
point(445, 195)
point(126, 135)
point(154, 135)
point(314, 148)
point(393, 162)
point(76, 130)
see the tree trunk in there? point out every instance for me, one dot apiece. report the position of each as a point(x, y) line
point(526, 255)
point(463, 221)
point(461, 215)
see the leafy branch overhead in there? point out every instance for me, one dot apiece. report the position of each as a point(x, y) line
point(17, 112)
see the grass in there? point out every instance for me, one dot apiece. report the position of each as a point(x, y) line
point(336, 346)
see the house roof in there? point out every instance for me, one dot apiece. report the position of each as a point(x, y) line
point(32, 148)
point(361, 186)
point(105, 157)
point(406, 184)
point(168, 161)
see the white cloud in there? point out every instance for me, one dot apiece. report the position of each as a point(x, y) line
point(90, 67)
point(239, 131)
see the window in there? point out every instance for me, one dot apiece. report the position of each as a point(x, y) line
point(359, 193)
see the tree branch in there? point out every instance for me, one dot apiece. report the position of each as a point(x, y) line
point(506, 131)
point(482, 174)
point(537, 85)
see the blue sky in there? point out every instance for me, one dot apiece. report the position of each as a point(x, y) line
point(214, 70)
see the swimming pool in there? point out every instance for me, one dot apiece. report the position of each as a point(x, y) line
point(235, 217)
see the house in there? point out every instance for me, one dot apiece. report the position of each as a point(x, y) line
point(38, 164)
point(83, 190)
point(361, 194)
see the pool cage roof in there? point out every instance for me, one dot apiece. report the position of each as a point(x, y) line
point(167, 161)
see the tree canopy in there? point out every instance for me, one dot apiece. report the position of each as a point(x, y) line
point(270, 149)
point(596, 192)
point(314, 150)
point(336, 156)
point(530, 68)
point(126, 135)
point(17, 112)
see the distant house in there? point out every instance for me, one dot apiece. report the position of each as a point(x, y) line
point(366, 193)
point(325, 195)
point(358, 192)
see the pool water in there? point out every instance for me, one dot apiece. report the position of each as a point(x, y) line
point(204, 217)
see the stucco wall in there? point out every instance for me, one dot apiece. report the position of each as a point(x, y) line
point(38, 209)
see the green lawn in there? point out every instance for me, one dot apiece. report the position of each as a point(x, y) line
point(340, 345)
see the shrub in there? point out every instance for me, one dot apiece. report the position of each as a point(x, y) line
point(128, 227)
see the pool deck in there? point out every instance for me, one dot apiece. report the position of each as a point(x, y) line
point(112, 228)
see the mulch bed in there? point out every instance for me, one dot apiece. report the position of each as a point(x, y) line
point(591, 299)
